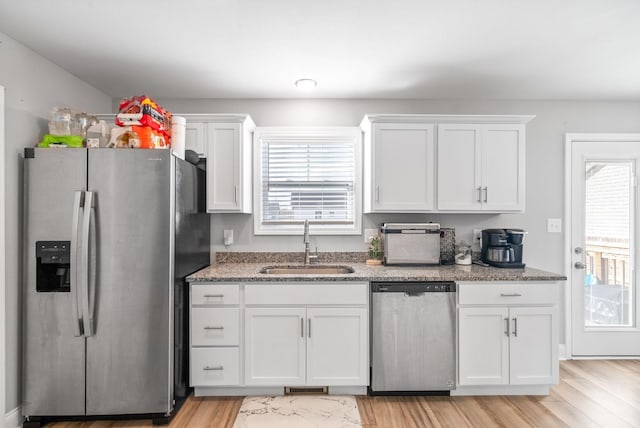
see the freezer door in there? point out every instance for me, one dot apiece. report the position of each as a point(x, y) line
point(53, 356)
point(129, 353)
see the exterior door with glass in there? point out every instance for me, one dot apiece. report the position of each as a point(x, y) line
point(604, 219)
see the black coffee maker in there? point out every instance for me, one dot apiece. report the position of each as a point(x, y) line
point(502, 247)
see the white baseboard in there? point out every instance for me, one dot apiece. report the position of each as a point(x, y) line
point(13, 419)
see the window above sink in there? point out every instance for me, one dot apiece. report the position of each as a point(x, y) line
point(307, 174)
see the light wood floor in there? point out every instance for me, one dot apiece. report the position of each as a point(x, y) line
point(591, 393)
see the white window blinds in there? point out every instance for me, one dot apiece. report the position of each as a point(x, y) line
point(308, 177)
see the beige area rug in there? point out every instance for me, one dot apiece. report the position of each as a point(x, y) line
point(299, 411)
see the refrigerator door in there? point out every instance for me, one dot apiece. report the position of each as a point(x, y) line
point(129, 353)
point(53, 350)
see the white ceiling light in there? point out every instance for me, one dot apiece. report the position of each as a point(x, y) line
point(306, 84)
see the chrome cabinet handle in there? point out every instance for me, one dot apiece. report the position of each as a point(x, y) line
point(309, 327)
point(515, 326)
point(579, 265)
point(506, 332)
point(510, 294)
point(212, 296)
point(207, 368)
point(479, 189)
point(486, 195)
point(207, 327)
point(235, 193)
point(302, 327)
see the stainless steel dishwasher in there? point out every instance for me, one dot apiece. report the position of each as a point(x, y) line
point(413, 340)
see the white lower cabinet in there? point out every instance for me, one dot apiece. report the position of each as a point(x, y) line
point(275, 346)
point(306, 343)
point(214, 337)
point(507, 334)
point(306, 346)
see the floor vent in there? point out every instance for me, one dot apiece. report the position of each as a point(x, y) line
point(302, 390)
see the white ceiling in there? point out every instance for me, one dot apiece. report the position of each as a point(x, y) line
point(480, 49)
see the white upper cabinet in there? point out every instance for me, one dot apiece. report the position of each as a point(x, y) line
point(398, 167)
point(229, 177)
point(475, 163)
point(481, 167)
point(225, 140)
point(195, 138)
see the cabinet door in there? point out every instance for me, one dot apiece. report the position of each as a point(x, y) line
point(534, 346)
point(403, 167)
point(337, 346)
point(483, 346)
point(503, 161)
point(223, 167)
point(195, 138)
point(459, 187)
point(275, 346)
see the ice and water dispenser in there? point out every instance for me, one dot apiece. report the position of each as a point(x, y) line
point(53, 261)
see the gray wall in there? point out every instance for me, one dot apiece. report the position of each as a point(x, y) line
point(544, 169)
point(33, 87)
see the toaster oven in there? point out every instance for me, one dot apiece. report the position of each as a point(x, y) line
point(411, 243)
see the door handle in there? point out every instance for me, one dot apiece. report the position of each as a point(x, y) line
point(506, 332)
point(515, 326)
point(73, 275)
point(486, 194)
point(84, 264)
point(309, 327)
point(479, 190)
point(579, 265)
point(302, 327)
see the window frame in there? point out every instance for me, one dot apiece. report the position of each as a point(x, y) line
point(306, 134)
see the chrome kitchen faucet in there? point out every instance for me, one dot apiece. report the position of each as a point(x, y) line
point(308, 258)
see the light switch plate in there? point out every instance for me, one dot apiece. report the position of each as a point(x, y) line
point(554, 225)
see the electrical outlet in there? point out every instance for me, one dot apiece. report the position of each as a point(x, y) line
point(554, 225)
point(477, 237)
point(228, 237)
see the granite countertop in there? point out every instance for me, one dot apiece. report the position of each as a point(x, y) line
point(250, 271)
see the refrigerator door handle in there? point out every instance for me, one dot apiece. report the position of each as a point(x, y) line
point(84, 265)
point(75, 310)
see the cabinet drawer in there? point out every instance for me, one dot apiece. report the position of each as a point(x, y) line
point(215, 326)
point(508, 293)
point(215, 366)
point(309, 293)
point(215, 294)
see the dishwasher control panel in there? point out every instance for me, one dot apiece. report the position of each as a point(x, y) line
point(414, 287)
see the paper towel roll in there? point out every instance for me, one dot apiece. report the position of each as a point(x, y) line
point(178, 130)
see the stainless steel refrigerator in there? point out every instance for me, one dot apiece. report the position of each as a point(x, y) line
point(110, 235)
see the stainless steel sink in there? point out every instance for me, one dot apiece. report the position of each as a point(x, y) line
point(306, 270)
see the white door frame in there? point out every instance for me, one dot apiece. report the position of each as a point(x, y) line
point(568, 291)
